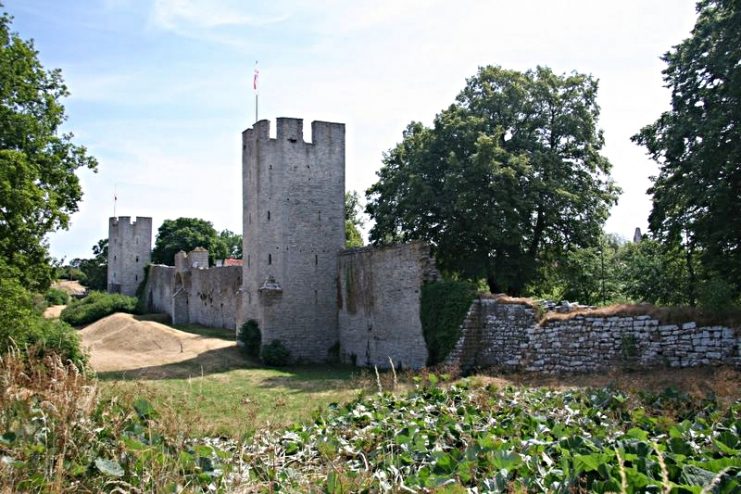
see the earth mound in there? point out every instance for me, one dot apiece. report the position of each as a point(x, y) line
point(122, 342)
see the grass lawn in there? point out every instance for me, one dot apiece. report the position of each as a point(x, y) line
point(227, 393)
point(240, 400)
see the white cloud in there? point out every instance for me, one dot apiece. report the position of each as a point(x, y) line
point(178, 15)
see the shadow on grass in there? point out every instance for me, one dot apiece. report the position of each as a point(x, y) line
point(211, 362)
point(312, 378)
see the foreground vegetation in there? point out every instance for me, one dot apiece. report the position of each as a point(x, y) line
point(60, 433)
point(96, 306)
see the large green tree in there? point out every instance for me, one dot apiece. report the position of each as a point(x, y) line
point(228, 244)
point(697, 144)
point(353, 220)
point(96, 268)
point(508, 175)
point(38, 186)
point(185, 234)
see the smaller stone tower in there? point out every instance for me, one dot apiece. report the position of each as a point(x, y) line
point(129, 250)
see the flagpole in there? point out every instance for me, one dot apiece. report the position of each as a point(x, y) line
point(254, 87)
point(115, 200)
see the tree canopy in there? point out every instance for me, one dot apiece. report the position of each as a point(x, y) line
point(185, 234)
point(96, 268)
point(509, 174)
point(697, 144)
point(353, 220)
point(38, 186)
point(228, 244)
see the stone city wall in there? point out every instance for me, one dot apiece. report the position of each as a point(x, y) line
point(214, 296)
point(379, 303)
point(159, 288)
point(508, 336)
point(209, 297)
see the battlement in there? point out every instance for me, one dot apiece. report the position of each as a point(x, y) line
point(141, 221)
point(292, 130)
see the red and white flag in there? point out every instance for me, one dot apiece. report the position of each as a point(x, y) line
point(254, 78)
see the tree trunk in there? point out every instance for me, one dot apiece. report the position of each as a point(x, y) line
point(491, 280)
point(691, 276)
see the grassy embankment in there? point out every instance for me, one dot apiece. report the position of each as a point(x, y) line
point(227, 393)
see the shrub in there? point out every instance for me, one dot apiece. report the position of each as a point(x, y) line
point(22, 327)
point(275, 354)
point(251, 338)
point(717, 295)
point(96, 306)
point(55, 296)
point(443, 307)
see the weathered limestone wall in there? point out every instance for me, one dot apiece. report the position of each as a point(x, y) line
point(159, 288)
point(209, 297)
point(214, 296)
point(507, 336)
point(129, 250)
point(293, 225)
point(379, 304)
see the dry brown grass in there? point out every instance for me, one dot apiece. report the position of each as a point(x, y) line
point(665, 315)
point(503, 298)
point(698, 382)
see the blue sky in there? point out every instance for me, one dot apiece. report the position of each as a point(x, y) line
point(161, 89)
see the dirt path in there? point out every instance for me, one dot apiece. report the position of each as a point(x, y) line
point(54, 311)
point(120, 342)
point(74, 288)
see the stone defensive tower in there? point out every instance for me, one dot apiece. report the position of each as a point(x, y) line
point(129, 250)
point(293, 194)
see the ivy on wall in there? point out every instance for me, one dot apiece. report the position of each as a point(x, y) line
point(443, 308)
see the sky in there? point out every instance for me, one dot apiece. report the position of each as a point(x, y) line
point(162, 89)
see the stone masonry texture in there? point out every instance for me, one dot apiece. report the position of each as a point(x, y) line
point(507, 336)
point(129, 251)
point(207, 296)
point(379, 304)
point(293, 193)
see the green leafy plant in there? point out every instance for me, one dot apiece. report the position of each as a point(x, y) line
point(55, 296)
point(470, 438)
point(275, 354)
point(251, 338)
point(21, 327)
point(443, 307)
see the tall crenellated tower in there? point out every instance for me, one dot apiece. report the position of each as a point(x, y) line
point(129, 250)
point(293, 193)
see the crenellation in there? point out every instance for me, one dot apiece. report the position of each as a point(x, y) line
point(290, 130)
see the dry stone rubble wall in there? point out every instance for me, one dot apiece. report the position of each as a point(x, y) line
point(508, 336)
